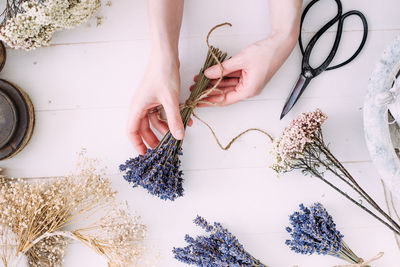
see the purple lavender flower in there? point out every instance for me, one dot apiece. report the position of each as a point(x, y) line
point(219, 248)
point(158, 171)
point(313, 231)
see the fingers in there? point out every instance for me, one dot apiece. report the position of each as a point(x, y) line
point(231, 65)
point(231, 95)
point(235, 74)
point(147, 134)
point(133, 129)
point(174, 118)
point(160, 126)
point(227, 82)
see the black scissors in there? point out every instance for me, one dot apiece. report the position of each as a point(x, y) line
point(307, 72)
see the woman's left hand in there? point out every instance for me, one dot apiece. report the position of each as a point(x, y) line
point(246, 74)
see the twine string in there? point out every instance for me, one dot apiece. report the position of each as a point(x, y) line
point(233, 140)
point(363, 263)
point(192, 104)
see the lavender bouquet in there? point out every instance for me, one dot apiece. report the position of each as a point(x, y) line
point(219, 248)
point(158, 171)
point(301, 146)
point(313, 231)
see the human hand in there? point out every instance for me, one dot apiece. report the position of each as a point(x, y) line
point(160, 85)
point(246, 74)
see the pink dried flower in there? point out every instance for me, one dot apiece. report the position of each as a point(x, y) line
point(290, 145)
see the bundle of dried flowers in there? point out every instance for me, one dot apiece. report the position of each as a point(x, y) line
point(219, 248)
point(301, 146)
point(314, 231)
point(37, 218)
point(158, 171)
point(29, 24)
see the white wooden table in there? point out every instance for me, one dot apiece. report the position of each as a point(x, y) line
point(82, 84)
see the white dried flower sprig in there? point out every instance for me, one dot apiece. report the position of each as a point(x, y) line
point(38, 218)
point(39, 20)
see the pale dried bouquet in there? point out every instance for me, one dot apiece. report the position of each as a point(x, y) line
point(29, 24)
point(38, 218)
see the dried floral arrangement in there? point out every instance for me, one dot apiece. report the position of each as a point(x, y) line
point(313, 230)
point(158, 171)
point(219, 248)
point(301, 146)
point(29, 24)
point(39, 218)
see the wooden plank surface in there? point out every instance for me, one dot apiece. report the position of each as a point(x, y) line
point(81, 86)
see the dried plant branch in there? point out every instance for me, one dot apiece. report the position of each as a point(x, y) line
point(302, 147)
point(34, 217)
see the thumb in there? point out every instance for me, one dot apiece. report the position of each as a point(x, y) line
point(231, 65)
point(174, 119)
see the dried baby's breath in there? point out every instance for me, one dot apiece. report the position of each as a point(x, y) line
point(33, 23)
point(48, 252)
point(35, 216)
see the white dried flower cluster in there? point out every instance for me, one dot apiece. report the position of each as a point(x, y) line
point(289, 147)
point(49, 251)
point(38, 217)
point(35, 26)
point(118, 236)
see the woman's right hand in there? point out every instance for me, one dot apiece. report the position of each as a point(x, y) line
point(160, 85)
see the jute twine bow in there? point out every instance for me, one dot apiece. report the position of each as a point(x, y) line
point(191, 104)
point(363, 263)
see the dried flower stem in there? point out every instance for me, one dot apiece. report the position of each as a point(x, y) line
point(389, 210)
point(361, 191)
point(347, 254)
point(318, 175)
point(313, 154)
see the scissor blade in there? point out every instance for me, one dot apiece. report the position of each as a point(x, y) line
point(295, 94)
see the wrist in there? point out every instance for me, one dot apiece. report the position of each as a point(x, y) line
point(284, 37)
point(165, 54)
point(285, 19)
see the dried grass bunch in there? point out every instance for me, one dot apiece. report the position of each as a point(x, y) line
point(38, 218)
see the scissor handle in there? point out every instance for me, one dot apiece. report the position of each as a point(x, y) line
point(363, 41)
point(312, 72)
point(323, 29)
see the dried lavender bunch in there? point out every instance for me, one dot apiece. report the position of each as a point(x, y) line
point(29, 24)
point(301, 146)
point(158, 171)
point(37, 217)
point(314, 231)
point(219, 249)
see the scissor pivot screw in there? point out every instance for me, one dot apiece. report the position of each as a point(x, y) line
point(308, 74)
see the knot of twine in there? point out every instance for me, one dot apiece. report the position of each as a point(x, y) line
point(363, 263)
point(192, 103)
